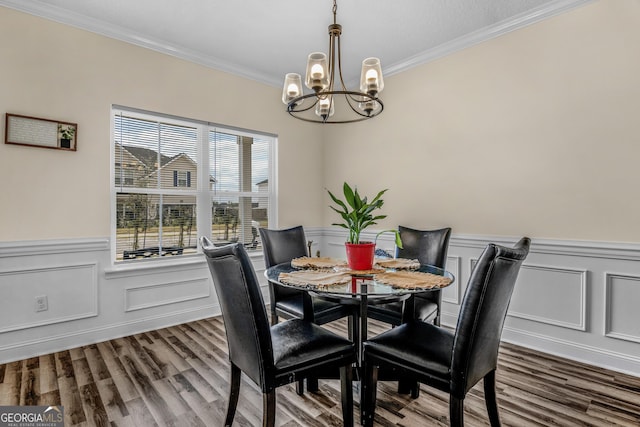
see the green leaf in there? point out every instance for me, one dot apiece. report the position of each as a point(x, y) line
point(356, 211)
point(349, 195)
point(379, 195)
point(337, 201)
point(397, 237)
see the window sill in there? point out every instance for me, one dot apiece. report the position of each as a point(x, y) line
point(153, 266)
point(164, 265)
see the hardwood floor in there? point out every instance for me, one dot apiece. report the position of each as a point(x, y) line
point(178, 376)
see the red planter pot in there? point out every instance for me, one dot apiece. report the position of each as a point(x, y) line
point(360, 255)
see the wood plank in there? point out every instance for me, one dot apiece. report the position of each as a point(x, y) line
point(121, 379)
point(48, 374)
point(93, 405)
point(179, 376)
point(12, 383)
point(112, 401)
point(99, 369)
point(30, 390)
point(69, 392)
point(149, 394)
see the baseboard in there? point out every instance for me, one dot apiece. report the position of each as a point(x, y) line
point(590, 355)
point(69, 340)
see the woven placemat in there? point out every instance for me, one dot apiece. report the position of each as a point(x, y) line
point(345, 269)
point(317, 263)
point(311, 278)
point(412, 280)
point(399, 263)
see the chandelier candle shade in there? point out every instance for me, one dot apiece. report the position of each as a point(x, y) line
point(321, 78)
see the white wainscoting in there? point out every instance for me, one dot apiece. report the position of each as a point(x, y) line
point(58, 284)
point(575, 299)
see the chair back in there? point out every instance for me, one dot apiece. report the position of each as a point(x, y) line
point(427, 246)
point(281, 246)
point(482, 314)
point(243, 310)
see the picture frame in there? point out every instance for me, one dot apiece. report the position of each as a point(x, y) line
point(38, 132)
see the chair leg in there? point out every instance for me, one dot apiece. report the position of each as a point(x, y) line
point(369, 383)
point(415, 390)
point(353, 326)
point(490, 398)
point(346, 390)
point(404, 386)
point(407, 385)
point(234, 393)
point(300, 387)
point(269, 409)
point(312, 385)
point(456, 412)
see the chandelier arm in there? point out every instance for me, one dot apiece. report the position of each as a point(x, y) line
point(294, 103)
point(291, 108)
point(351, 95)
point(349, 98)
point(344, 87)
point(332, 58)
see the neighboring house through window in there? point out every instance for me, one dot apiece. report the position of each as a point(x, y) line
point(158, 206)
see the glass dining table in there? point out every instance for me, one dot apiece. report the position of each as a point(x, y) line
point(390, 280)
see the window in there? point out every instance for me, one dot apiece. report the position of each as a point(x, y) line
point(176, 179)
point(181, 178)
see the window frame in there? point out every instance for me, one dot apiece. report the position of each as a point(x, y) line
point(204, 193)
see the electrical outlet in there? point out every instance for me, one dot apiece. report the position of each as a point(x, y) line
point(41, 303)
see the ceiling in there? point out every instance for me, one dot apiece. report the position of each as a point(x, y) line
point(263, 40)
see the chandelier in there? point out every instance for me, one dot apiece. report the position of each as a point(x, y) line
point(354, 106)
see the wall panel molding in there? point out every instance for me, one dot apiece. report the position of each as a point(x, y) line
point(621, 316)
point(71, 291)
point(51, 247)
point(544, 302)
point(579, 248)
point(149, 296)
point(453, 293)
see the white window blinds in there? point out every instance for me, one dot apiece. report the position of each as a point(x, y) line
point(158, 165)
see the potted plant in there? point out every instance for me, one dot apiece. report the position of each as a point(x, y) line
point(357, 214)
point(66, 133)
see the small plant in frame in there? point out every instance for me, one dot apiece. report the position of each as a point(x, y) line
point(66, 133)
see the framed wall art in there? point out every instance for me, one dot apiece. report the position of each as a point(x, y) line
point(37, 132)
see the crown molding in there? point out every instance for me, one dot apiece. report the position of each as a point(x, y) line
point(545, 11)
point(57, 14)
point(64, 16)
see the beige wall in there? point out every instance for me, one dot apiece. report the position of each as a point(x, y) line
point(535, 132)
point(58, 72)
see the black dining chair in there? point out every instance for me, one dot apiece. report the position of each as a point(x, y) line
point(429, 247)
point(271, 356)
point(452, 361)
point(281, 246)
